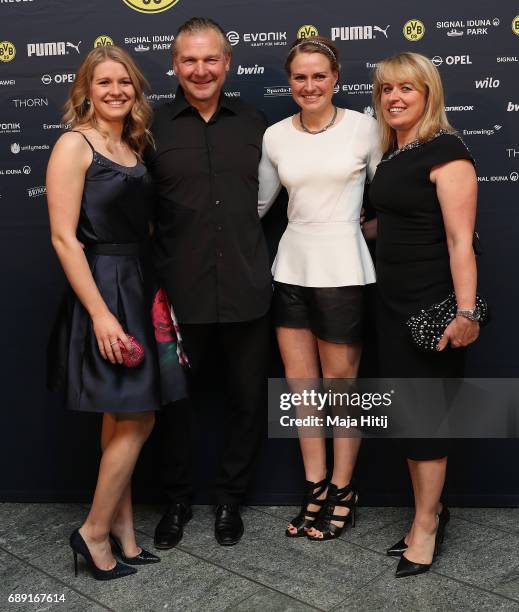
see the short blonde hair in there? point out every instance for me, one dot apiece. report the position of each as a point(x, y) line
point(79, 111)
point(423, 74)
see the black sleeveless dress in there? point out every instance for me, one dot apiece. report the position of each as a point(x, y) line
point(413, 266)
point(113, 225)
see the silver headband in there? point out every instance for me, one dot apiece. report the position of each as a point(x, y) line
point(319, 44)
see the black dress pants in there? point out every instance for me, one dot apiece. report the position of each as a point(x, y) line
point(244, 350)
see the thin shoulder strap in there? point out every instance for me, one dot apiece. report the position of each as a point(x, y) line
point(88, 141)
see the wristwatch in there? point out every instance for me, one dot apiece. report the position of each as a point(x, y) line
point(473, 315)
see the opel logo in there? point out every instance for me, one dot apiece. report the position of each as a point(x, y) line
point(437, 60)
point(46, 79)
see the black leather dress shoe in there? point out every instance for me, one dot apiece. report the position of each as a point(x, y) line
point(170, 529)
point(400, 547)
point(228, 526)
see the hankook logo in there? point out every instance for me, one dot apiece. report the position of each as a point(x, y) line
point(51, 48)
point(103, 41)
point(366, 32)
point(7, 51)
point(414, 30)
point(307, 30)
point(452, 60)
point(150, 6)
point(58, 79)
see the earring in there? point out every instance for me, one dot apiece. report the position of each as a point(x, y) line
point(87, 102)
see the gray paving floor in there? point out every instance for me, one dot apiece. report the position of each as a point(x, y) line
point(477, 570)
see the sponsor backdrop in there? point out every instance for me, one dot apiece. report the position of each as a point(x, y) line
point(47, 453)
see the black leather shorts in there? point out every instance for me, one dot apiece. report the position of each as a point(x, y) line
point(333, 314)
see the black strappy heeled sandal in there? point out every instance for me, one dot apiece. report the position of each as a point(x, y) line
point(336, 497)
point(306, 518)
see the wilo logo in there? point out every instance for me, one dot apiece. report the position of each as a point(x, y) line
point(414, 30)
point(488, 83)
point(51, 48)
point(512, 107)
point(7, 51)
point(307, 30)
point(150, 6)
point(251, 69)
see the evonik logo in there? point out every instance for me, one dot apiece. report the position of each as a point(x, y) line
point(488, 83)
point(258, 39)
point(366, 32)
point(512, 107)
point(51, 48)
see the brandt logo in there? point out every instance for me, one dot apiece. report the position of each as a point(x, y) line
point(366, 32)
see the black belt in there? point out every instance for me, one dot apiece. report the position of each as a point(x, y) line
point(115, 248)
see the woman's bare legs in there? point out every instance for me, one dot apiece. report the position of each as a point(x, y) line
point(112, 494)
point(298, 348)
point(428, 478)
point(340, 361)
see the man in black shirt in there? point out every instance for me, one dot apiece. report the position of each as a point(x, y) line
point(212, 259)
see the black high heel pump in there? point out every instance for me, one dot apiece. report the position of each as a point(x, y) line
point(79, 546)
point(143, 558)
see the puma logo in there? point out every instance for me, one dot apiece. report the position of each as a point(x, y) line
point(76, 47)
point(383, 30)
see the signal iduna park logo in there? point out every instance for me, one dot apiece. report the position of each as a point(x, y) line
point(7, 51)
point(150, 6)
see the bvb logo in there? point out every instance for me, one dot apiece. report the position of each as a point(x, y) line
point(150, 6)
point(515, 25)
point(7, 51)
point(414, 30)
point(103, 41)
point(306, 31)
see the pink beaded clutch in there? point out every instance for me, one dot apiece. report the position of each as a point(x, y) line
point(133, 357)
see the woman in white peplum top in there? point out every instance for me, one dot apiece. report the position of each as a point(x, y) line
point(322, 155)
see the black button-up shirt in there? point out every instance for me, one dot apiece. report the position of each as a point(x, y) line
point(209, 247)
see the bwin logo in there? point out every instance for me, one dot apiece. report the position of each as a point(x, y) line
point(488, 83)
point(15, 148)
point(251, 69)
point(512, 107)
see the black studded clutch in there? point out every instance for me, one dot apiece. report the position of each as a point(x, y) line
point(427, 327)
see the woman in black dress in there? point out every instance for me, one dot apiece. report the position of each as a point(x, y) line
point(99, 201)
point(424, 191)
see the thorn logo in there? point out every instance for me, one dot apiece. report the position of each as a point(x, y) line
point(233, 37)
point(488, 83)
point(307, 30)
point(15, 148)
point(515, 25)
point(414, 30)
point(512, 107)
point(103, 41)
point(7, 51)
point(150, 6)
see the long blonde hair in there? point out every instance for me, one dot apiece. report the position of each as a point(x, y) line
point(79, 111)
point(423, 74)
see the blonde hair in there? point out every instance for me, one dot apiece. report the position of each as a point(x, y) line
point(423, 74)
point(79, 112)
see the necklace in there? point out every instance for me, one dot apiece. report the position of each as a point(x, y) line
point(305, 129)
